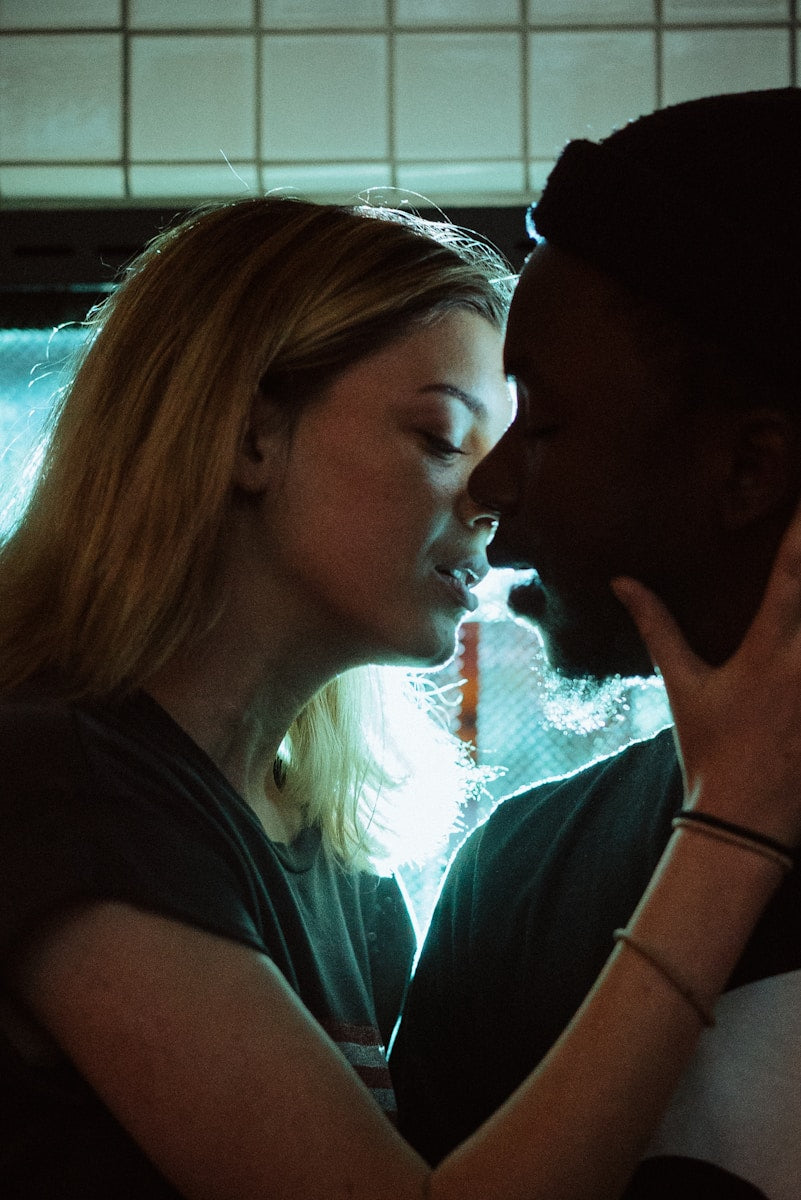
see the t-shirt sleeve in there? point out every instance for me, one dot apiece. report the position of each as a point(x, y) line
point(68, 836)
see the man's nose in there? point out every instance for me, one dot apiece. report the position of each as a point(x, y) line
point(496, 483)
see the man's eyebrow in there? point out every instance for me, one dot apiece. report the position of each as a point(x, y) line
point(471, 402)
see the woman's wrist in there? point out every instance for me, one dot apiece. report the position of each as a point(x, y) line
point(700, 909)
point(705, 824)
point(766, 817)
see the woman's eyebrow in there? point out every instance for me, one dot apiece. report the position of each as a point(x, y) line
point(471, 402)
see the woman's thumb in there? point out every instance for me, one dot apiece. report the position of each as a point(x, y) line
point(661, 635)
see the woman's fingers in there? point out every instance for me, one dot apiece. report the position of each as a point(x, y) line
point(683, 673)
point(780, 610)
point(737, 725)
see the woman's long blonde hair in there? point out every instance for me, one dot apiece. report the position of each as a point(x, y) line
point(114, 562)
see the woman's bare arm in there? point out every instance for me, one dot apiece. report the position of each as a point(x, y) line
point(207, 1057)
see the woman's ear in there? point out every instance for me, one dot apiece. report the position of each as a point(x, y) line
point(255, 460)
point(764, 465)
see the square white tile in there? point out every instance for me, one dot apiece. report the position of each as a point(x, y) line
point(323, 14)
point(457, 12)
point(582, 85)
point(325, 97)
point(62, 183)
point(590, 12)
point(185, 14)
point(192, 97)
point(61, 97)
point(458, 96)
point(337, 182)
point(702, 62)
point(726, 10)
point(194, 181)
point(59, 14)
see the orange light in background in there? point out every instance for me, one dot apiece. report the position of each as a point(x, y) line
point(467, 727)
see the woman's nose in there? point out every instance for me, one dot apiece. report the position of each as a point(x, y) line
point(477, 515)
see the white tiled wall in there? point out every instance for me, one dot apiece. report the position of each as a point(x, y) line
point(466, 101)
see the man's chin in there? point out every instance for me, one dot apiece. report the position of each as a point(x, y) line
point(597, 645)
point(528, 600)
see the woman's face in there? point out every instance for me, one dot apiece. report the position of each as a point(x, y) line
point(373, 535)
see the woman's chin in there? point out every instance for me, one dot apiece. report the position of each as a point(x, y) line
point(426, 653)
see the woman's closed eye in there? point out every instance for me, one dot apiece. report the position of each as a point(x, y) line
point(440, 447)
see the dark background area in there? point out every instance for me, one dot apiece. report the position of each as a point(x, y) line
point(56, 263)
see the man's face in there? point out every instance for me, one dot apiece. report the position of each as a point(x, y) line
point(600, 473)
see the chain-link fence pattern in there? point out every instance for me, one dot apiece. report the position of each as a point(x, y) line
point(519, 714)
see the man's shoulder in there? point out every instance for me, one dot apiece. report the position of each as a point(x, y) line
point(573, 852)
point(614, 777)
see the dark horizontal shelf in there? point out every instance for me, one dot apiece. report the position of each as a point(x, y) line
point(55, 264)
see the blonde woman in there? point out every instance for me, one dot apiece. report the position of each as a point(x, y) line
point(256, 488)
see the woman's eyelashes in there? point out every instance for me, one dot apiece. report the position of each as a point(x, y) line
point(439, 446)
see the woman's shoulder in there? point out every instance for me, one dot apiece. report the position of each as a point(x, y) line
point(38, 734)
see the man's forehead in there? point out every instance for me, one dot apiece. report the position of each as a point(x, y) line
point(524, 301)
point(555, 290)
point(573, 332)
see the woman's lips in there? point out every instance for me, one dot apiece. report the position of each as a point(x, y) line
point(456, 581)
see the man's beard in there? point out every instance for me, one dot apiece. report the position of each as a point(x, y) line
point(585, 704)
point(581, 692)
point(584, 635)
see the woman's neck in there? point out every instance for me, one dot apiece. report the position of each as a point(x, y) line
point(238, 688)
point(237, 700)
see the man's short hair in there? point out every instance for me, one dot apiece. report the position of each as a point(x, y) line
point(696, 207)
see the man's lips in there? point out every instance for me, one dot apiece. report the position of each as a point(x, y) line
point(502, 555)
point(527, 599)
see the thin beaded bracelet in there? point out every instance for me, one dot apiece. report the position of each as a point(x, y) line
point(701, 1010)
point(735, 835)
